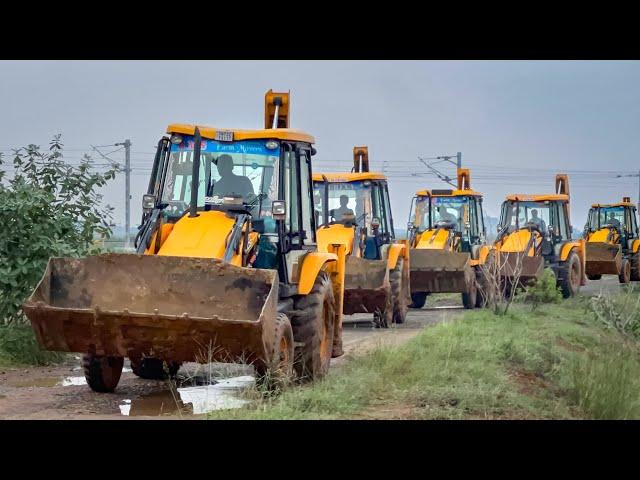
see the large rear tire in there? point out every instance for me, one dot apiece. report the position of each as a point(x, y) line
point(398, 292)
point(635, 267)
point(569, 275)
point(277, 371)
point(625, 271)
point(153, 368)
point(101, 372)
point(312, 321)
point(418, 299)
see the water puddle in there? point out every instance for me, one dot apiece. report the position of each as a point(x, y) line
point(73, 381)
point(50, 382)
point(37, 382)
point(197, 400)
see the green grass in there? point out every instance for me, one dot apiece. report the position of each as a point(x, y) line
point(554, 362)
point(18, 346)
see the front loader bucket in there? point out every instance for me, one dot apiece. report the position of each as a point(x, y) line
point(603, 258)
point(172, 308)
point(518, 266)
point(366, 285)
point(439, 271)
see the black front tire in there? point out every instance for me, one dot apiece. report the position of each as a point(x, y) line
point(418, 299)
point(398, 292)
point(569, 275)
point(102, 372)
point(277, 372)
point(312, 320)
point(469, 297)
point(594, 277)
point(153, 368)
point(625, 271)
point(635, 267)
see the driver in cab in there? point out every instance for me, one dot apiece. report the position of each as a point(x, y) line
point(230, 183)
point(445, 216)
point(612, 220)
point(343, 210)
point(537, 221)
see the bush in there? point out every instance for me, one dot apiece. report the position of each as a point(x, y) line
point(544, 290)
point(620, 312)
point(47, 208)
point(19, 345)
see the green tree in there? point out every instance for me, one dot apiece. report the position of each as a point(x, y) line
point(48, 208)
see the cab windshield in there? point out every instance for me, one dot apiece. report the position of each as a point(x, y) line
point(606, 216)
point(348, 202)
point(246, 169)
point(450, 210)
point(516, 215)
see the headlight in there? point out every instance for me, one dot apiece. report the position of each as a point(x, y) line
point(271, 144)
point(176, 139)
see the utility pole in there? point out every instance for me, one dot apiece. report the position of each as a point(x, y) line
point(127, 172)
point(633, 175)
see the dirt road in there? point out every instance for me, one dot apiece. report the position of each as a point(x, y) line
point(61, 392)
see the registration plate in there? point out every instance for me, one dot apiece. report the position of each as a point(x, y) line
point(224, 136)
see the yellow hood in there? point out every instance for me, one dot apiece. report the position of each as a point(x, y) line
point(204, 236)
point(435, 239)
point(335, 234)
point(602, 236)
point(517, 242)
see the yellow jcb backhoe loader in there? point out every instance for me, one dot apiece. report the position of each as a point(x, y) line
point(612, 240)
point(535, 232)
point(227, 268)
point(353, 210)
point(447, 238)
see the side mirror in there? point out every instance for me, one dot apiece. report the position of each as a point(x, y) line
point(279, 209)
point(148, 202)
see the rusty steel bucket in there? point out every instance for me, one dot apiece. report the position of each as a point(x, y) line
point(518, 264)
point(366, 285)
point(603, 258)
point(171, 308)
point(436, 271)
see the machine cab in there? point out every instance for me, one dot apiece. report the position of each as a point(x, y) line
point(546, 216)
point(259, 179)
point(359, 199)
point(619, 217)
point(459, 211)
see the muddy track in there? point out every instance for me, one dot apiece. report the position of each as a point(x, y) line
point(59, 392)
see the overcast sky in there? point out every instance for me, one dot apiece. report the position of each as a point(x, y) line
point(516, 123)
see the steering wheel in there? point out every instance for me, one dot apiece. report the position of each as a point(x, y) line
point(534, 227)
point(177, 207)
point(445, 224)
